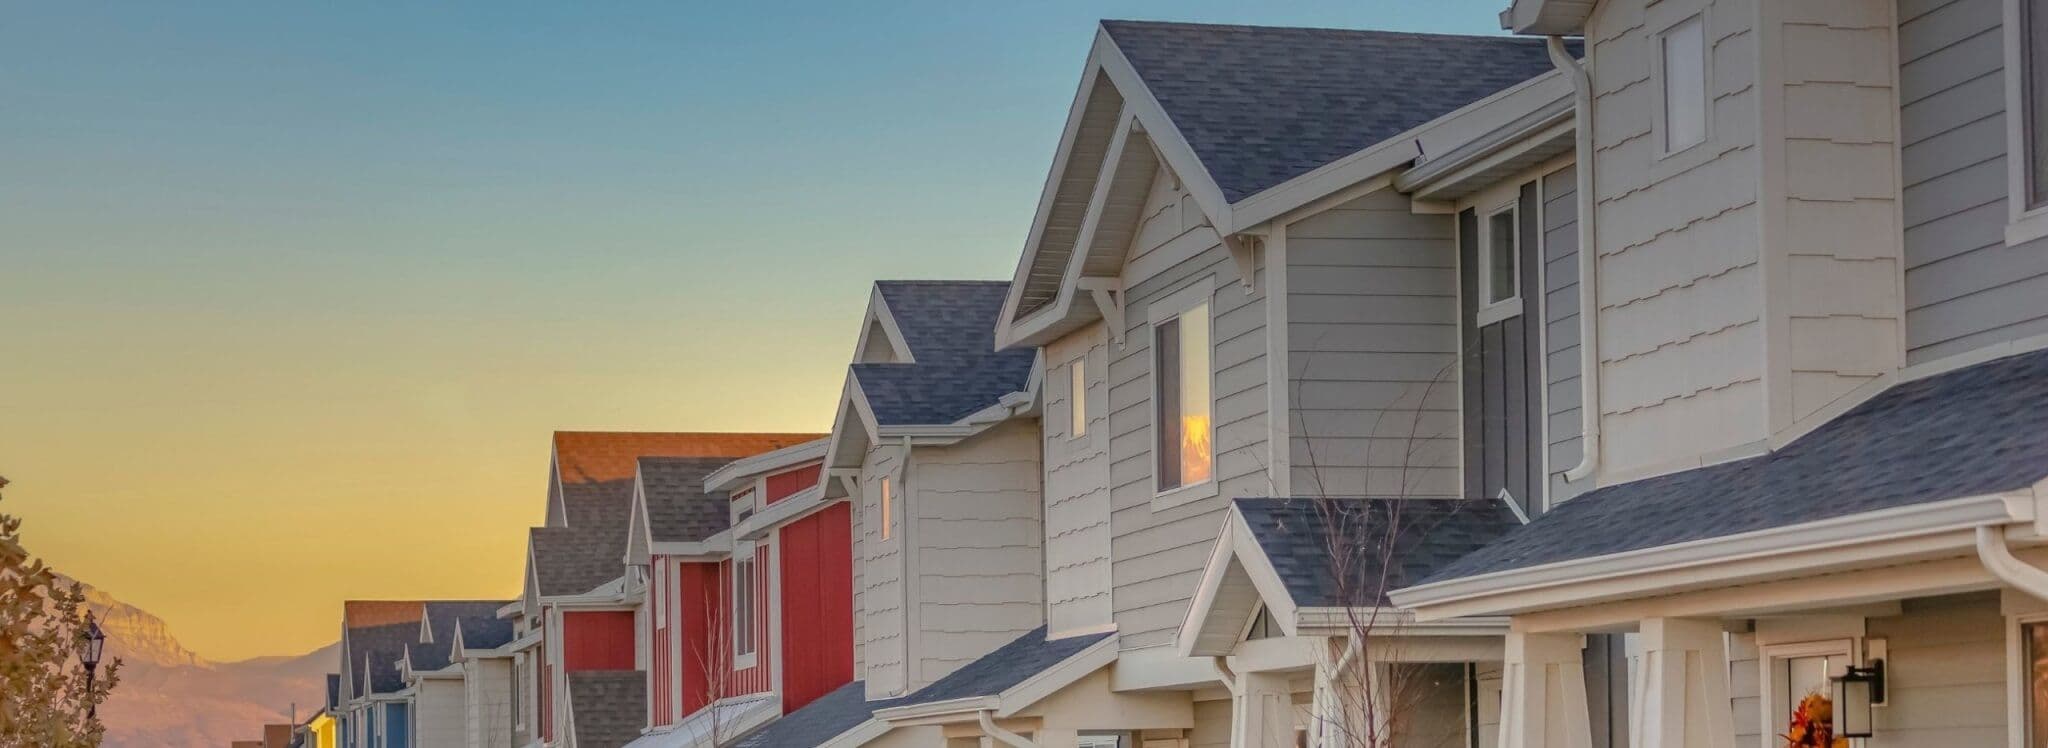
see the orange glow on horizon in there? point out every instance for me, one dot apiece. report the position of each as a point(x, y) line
point(1196, 451)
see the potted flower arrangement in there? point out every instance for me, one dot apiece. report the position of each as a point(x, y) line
point(1813, 725)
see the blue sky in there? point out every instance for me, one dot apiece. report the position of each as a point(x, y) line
point(275, 273)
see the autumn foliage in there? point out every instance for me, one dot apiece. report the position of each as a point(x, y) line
point(45, 699)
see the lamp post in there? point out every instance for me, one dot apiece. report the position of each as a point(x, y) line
point(89, 655)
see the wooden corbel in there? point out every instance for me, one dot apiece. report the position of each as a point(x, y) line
point(1241, 248)
point(1108, 294)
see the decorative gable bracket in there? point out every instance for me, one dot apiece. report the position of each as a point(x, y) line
point(1242, 246)
point(1108, 294)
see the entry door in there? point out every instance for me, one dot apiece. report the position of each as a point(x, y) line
point(1794, 671)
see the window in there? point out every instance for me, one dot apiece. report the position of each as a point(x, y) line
point(743, 608)
point(1685, 84)
point(1099, 741)
point(660, 596)
point(1498, 271)
point(2033, 104)
point(1180, 365)
point(1077, 398)
point(2034, 677)
point(888, 502)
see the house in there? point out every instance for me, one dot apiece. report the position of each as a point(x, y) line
point(375, 633)
point(744, 570)
point(1811, 419)
point(582, 602)
point(436, 688)
point(483, 652)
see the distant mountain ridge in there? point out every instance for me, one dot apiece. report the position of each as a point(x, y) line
point(171, 696)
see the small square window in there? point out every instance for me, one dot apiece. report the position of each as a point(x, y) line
point(1685, 84)
point(1077, 398)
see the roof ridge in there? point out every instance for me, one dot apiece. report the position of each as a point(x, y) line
point(1333, 29)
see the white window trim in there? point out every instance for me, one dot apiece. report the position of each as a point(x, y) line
point(1768, 686)
point(1661, 83)
point(2016, 678)
point(1510, 307)
point(744, 555)
point(2023, 223)
point(1168, 307)
point(1077, 398)
point(885, 508)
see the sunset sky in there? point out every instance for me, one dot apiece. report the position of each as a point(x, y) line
point(292, 296)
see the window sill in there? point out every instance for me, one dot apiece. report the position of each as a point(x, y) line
point(744, 662)
point(1183, 495)
point(2027, 227)
point(1498, 311)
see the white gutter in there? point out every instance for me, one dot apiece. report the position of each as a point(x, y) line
point(1994, 551)
point(989, 728)
point(1589, 256)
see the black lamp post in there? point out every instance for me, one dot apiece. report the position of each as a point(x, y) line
point(89, 655)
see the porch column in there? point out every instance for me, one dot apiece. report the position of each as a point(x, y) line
point(1680, 699)
point(1543, 689)
point(1263, 711)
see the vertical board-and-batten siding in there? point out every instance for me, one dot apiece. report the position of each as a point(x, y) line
point(882, 636)
point(1561, 330)
point(1372, 347)
point(1680, 272)
point(1077, 537)
point(1965, 289)
point(1158, 555)
point(979, 571)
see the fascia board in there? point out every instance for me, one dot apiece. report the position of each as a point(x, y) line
point(1440, 135)
point(849, 391)
point(1166, 136)
point(1211, 581)
point(512, 609)
point(1329, 621)
point(794, 507)
point(1049, 681)
point(1715, 559)
point(747, 468)
point(1076, 112)
point(937, 709)
point(1265, 579)
point(1550, 120)
point(861, 734)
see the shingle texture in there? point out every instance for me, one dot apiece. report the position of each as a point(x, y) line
point(679, 510)
point(486, 632)
point(576, 560)
point(1262, 105)
point(950, 328)
point(1352, 552)
point(829, 716)
point(1969, 432)
point(442, 618)
point(375, 634)
point(1007, 666)
point(607, 707)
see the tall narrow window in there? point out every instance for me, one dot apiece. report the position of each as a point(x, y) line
point(1077, 398)
point(2034, 91)
point(2034, 645)
point(660, 596)
point(1180, 361)
point(887, 499)
point(1685, 84)
point(743, 608)
point(1500, 270)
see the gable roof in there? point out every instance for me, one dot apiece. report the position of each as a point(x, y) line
point(576, 560)
point(607, 707)
point(486, 632)
point(1004, 668)
point(380, 648)
point(373, 629)
point(1974, 431)
point(950, 329)
point(1388, 542)
point(830, 716)
point(1262, 105)
point(442, 619)
point(678, 507)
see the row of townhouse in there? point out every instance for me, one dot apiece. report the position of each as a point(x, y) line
point(1625, 380)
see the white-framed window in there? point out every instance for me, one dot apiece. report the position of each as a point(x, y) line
point(1500, 257)
point(2032, 668)
point(660, 596)
point(2026, 123)
point(1184, 441)
point(1682, 68)
point(1101, 741)
point(885, 497)
point(1077, 398)
point(744, 592)
point(1791, 672)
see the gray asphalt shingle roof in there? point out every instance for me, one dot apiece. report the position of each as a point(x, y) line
point(1007, 666)
point(845, 708)
point(950, 328)
point(486, 632)
point(1262, 105)
point(607, 707)
point(1309, 540)
point(678, 508)
point(1970, 432)
point(442, 618)
point(380, 645)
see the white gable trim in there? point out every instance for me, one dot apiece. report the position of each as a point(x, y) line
point(879, 317)
point(745, 469)
point(1236, 557)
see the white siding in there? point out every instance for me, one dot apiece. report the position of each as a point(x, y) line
point(1680, 278)
point(1212, 725)
point(979, 580)
point(1372, 317)
point(883, 635)
point(1965, 289)
point(438, 713)
point(1158, 555)
point(487, 699)
point(1077, 486)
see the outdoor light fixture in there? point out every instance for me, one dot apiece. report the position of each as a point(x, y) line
point(1856, 691)
point(89, 652)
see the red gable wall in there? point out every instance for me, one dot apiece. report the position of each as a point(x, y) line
point(783, 485)
point(601, 640)
point(817, 605)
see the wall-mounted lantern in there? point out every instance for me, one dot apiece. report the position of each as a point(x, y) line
point(1857, 690)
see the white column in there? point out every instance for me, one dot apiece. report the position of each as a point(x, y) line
point(1680, 699)
point(1543, 689)
point(1264, 712)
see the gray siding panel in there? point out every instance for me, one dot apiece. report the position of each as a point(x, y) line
point(1965, 288)
point(1561, 329)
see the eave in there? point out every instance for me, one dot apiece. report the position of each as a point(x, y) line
point(1547, 17)
point(747, 468)
point(1009, 701)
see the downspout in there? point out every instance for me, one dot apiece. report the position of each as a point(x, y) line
point(989, 728)
point(1589, 305)
point(1998, 559)
point(1229, 677)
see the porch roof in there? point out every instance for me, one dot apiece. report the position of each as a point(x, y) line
point(1390, 542)
point(1975, 431)
point(830, 716)
point(1004, 668)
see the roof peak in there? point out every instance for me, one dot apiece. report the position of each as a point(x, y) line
point(1320, 29)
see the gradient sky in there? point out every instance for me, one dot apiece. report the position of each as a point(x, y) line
point(291, 296)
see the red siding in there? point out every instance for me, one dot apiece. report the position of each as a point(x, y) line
point(756, 679)
point(661, 677)
point(601, 640)
point(697, 587)
point(817, 605)
point(783, 485)
point(706, 593)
